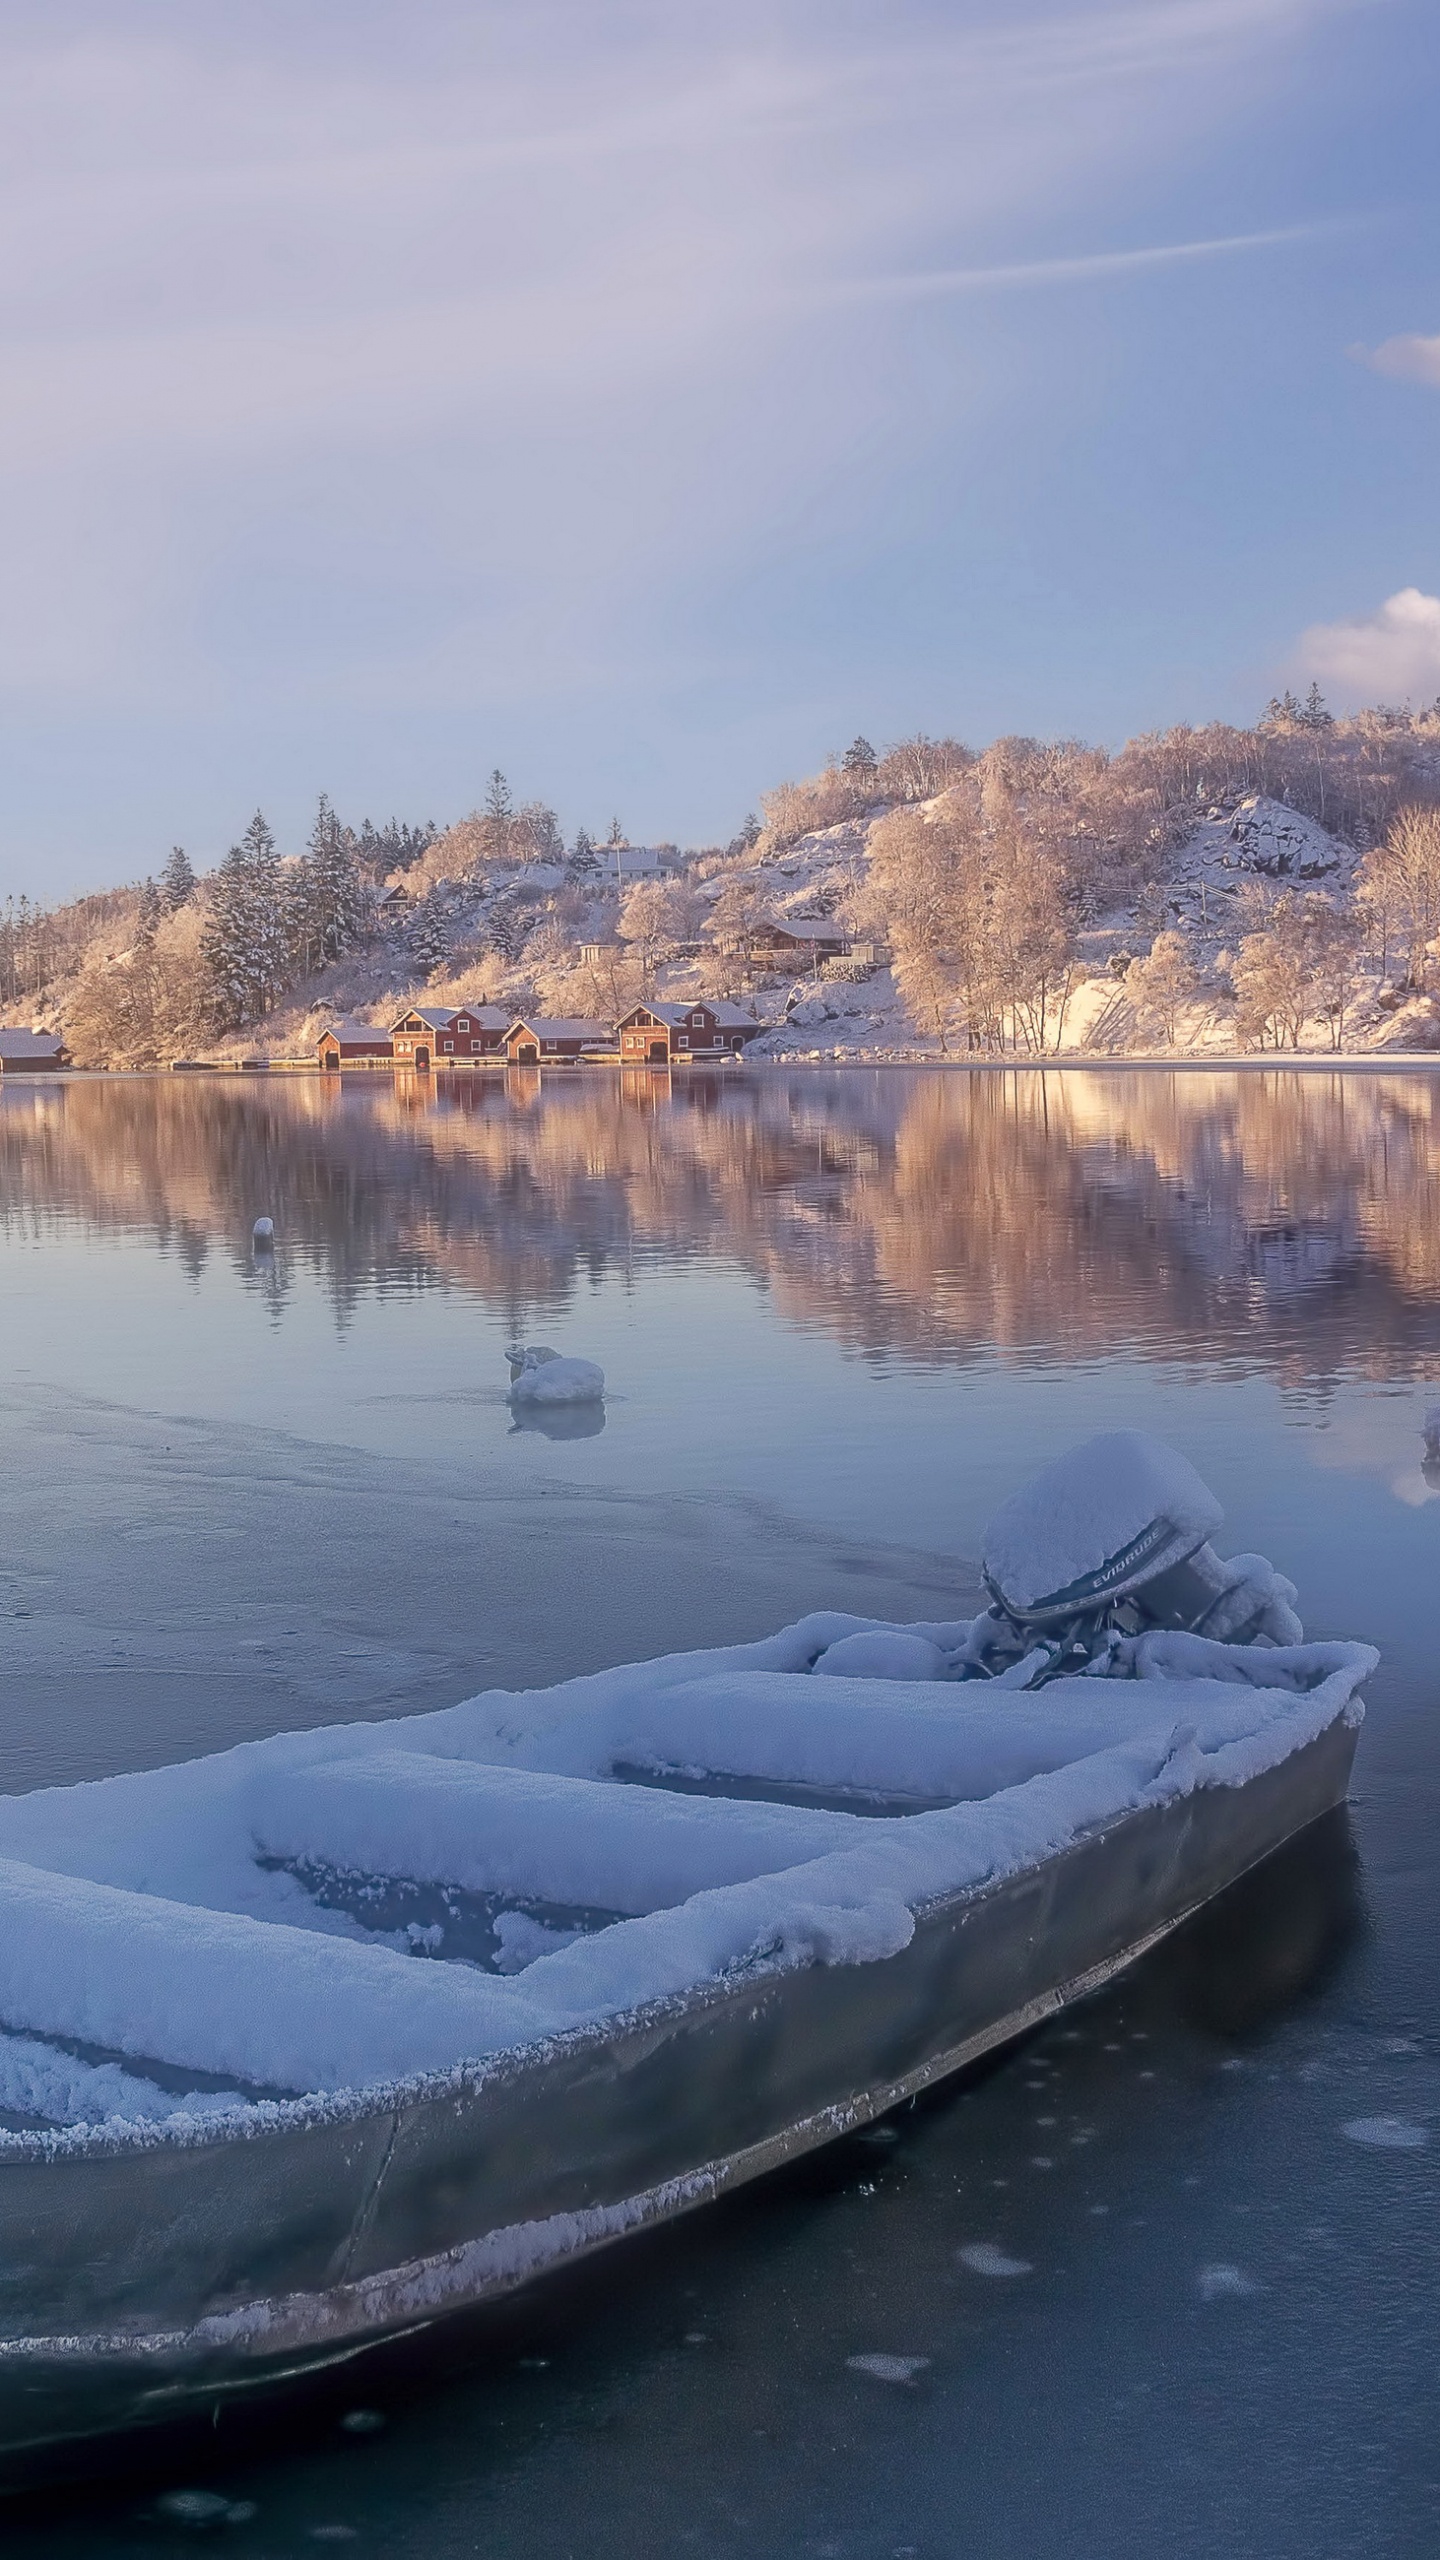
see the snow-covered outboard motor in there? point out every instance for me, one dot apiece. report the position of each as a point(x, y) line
point(1112, 1540)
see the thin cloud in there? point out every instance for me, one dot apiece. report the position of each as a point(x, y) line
point(1082, 270)
point(1404, 359)
point(1391, 655)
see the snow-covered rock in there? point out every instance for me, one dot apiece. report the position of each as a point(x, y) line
point(546, 1377)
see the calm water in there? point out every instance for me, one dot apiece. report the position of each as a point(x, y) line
point(842, 1316)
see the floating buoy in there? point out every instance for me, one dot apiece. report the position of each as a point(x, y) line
point(263, 1231)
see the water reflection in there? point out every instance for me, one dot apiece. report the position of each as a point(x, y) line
point(1277, 1935)
point(925, 1217)
point(560, 1422)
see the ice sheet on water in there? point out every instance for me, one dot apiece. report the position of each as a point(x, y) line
point(882, 2368)
point(987, 2258)
point(1226, 2284)
point(1386, 2133)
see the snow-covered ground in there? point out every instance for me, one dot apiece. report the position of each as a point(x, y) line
point(511, 933)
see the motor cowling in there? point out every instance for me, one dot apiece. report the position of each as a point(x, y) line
point(1117, 1533)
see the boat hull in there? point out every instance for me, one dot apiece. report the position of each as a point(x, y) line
point(140, 2283)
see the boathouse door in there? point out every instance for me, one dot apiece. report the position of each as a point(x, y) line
point(527, 1055)
point(659, 1053)
point(422, 1062)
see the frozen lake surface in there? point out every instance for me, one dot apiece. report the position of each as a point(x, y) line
point(1168, 2277)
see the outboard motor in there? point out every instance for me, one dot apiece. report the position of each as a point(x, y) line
point(1111, 1540)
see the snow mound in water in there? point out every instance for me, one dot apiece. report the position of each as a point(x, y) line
point(548, 1377)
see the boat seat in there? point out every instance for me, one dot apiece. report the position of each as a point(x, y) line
point(279, 2008)
point(527, 1834)
point(933, 1742)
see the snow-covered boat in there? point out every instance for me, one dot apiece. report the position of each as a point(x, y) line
point(311, 2042)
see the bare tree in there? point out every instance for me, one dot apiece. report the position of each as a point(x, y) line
point(1272, 974)
point(647, 926)
point(738, 913)
point(1399, 881)
point(1164, 982)
point(1330, 939)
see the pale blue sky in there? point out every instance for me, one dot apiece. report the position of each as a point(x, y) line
point(645, 397)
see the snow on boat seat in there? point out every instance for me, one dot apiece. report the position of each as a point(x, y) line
point(928, 1742)
point(527, 1833)
point(278, 2007)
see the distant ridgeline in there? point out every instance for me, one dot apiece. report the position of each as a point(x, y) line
point(1215, 889)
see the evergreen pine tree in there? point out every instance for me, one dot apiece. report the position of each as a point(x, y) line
point(859, 760)
point(333, 906)
point(248, 933)
point(177, 880)
point(151, 909)
point(498, 822)
point(429, 935)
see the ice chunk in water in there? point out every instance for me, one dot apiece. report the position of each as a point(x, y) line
point(888, 2368)
point(1222, 2284)
point(1386, 2133)
point(987, 2258)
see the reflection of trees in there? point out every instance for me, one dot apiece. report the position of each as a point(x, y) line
point(921, 1216)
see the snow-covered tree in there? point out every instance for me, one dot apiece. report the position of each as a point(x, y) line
point(738, 913)
point(650, 925)
point(245, 946)
point(334, 910)
point(147, 916)
point(1399, 881)
point(428, 938)
point(177, 880)
point(1164, 982)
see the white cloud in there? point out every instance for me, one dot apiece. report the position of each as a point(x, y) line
point(1392, 655)
point(1093, 266)
point(1407, 359)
